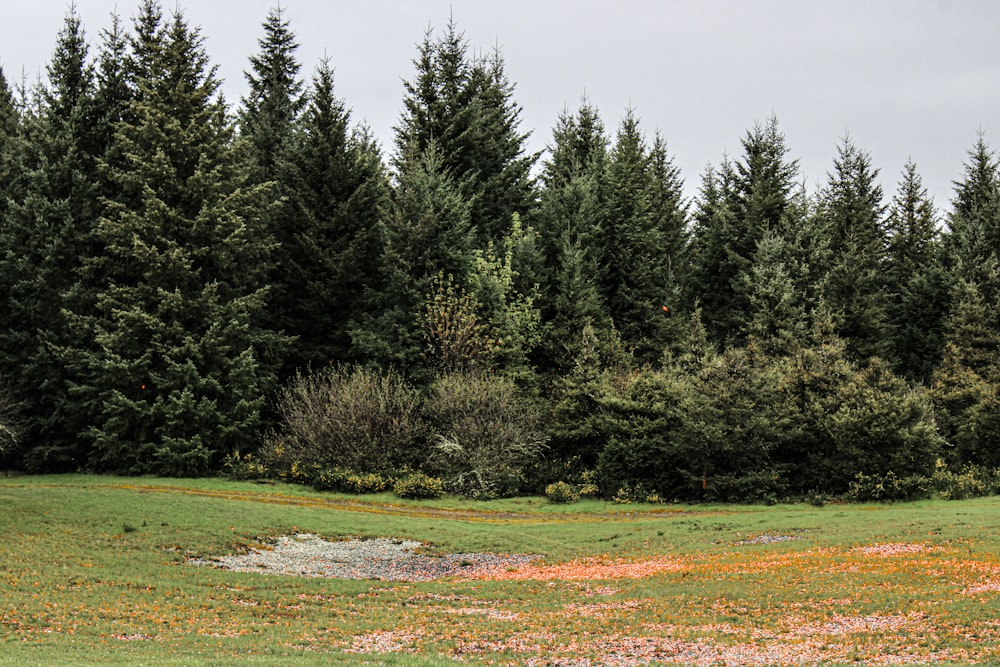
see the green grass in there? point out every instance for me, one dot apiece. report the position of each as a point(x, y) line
point(93, 571)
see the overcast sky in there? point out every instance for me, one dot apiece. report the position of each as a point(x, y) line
point(904, 78)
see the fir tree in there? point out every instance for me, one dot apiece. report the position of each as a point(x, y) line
point(427, 235)
point(852, 210)
point(973, 237)
point(641, 238)
point(271, 108)
point(465, 106)
point(336, 194)
point(46, 236)
point(738, 204)
point(167, 359)
point(918, 282)
point(570, 213)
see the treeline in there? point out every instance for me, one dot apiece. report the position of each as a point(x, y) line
point(186, 285)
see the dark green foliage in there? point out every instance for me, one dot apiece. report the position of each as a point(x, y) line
point(739, 202)
point(855, 289)
point(165, 356)
point(275, 99)
point(919, 285)
point(973, 238)
point(427, 234)
point(336, 191)
point(640, 241)
point(965, 383)
point(465, 106)
point(51, 205)
point(569, 216)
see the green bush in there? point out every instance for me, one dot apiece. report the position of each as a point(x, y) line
point(346, 481)
point(355, 419)
point(485, 432)
point(419, 485)
point(240, 466)
point(970, 482)
point(888, 487)
point(561, 492)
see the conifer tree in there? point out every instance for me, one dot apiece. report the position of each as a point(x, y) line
point(46, 234)
point(466, 106)
point(427, 237)
point(973, 237)
point(852, 210)
point(570, 213)
point(271, 108)
point(917, 280)
point(167, 359)
point(641, 239)
point(10, 122)
point(739, 202)
point(337, 192)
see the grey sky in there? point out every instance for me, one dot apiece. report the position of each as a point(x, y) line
point(904, 78)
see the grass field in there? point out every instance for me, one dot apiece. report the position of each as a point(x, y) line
point(93, 571)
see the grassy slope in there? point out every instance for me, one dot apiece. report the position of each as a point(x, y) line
point(92, 572)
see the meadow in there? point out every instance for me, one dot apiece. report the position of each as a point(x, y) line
point(94, 570)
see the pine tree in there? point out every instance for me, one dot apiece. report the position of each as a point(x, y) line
point(916, 279)
point(167, 354)
point(852, 210)
point(337, 192)
point(466, 107)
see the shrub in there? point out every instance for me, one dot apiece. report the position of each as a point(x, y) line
point(561, 492)
point(419, 485)
point(887, 487)
point(970, 482)
point(346, 481)
point(486, 433)
point(239, 466)
point(9, 427)
point(356, 419)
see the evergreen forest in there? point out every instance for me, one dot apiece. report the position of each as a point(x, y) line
point(191, 287)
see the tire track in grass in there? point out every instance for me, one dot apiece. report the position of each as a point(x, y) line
point(392, 509)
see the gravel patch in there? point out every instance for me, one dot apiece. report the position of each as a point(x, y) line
point(768, 539)
point(385, 559)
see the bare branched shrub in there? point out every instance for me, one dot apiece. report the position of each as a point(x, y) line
point(351, 418)
point(485, 432)
point(9, 425)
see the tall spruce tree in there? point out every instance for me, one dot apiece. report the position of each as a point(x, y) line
point(166, 358)
point(46, 234)
point(641, 238)
point(465, 105)
point(852, 209)
point(337, 192)
point(918, 283)
point(972, 242)
point(739, 202)
point(10, 123)
point(271, 108)
point(570, 213)
point(428, 244)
